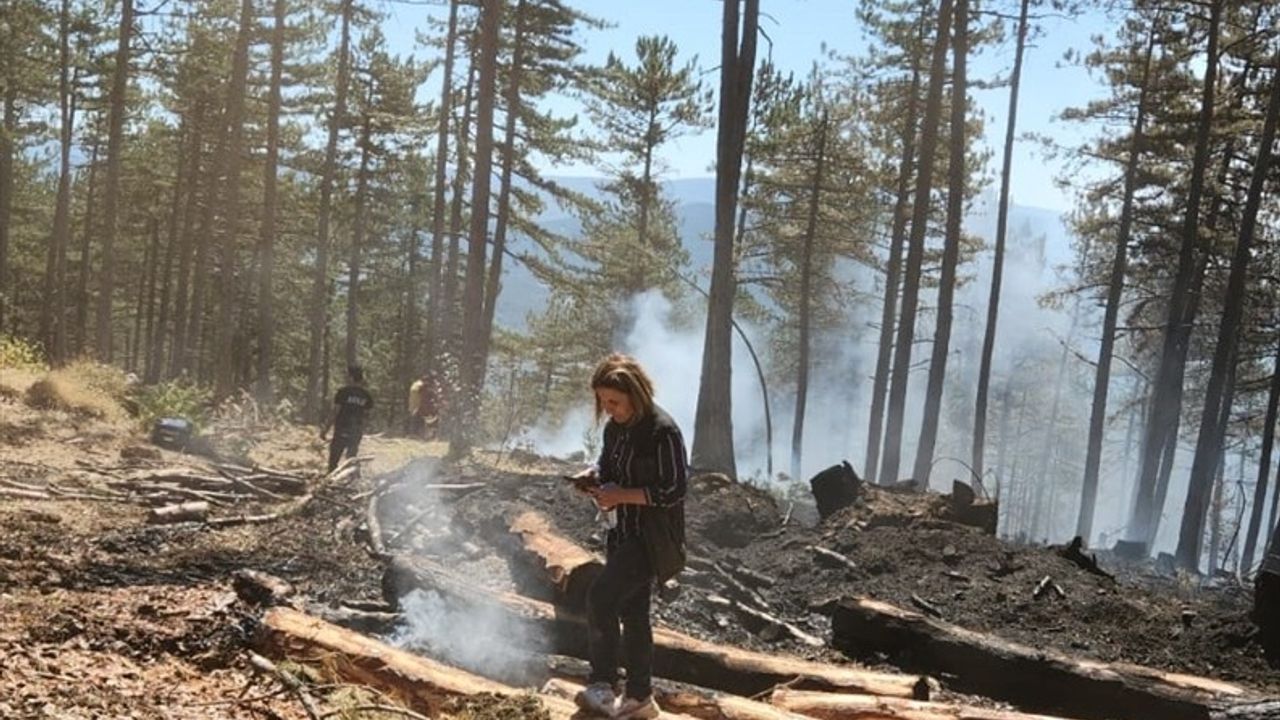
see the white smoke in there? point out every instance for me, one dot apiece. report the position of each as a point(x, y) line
point(480, 639)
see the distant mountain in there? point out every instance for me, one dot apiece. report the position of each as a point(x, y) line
point(1037, 236)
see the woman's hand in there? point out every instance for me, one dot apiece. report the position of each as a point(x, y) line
point(584, 481)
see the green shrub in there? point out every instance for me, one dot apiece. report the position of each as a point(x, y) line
point(172, 399)
point(20, 354)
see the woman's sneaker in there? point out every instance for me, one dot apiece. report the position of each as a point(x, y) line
point(633, 709)
point(598, 698)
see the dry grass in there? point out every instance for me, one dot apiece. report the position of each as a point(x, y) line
point(15, 381)
point(83, 389)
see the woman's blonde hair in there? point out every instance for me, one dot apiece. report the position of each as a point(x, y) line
point(622, 373)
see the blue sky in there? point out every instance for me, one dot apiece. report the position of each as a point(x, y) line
point(799, 29)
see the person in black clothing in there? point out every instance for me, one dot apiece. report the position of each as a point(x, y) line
point(641, 476)
point(350, 406)
point(1266, 600)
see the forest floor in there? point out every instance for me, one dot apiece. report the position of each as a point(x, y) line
point(103, 615)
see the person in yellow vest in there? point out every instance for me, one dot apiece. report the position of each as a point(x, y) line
point(424, 408)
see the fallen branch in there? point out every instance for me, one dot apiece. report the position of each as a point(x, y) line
point(292, 683)
point(832, 558)
point(925, 606)
point(184, 512)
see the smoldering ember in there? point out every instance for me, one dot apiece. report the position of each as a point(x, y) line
point(733, 360)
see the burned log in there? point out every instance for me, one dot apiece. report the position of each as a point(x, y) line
point(1034, 678)
point(182, 512)
point(259, 588)
point(1074, 551)
point(676, 656)
point(967, 509)
point(835, 488)
point(422, 684)
point(831, 706)
point(566, 567)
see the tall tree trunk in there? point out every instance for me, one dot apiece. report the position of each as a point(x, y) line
point(1167, 403)
point(319, 307)
point(267, 238)
point(225, 331)
point(1049, 444)
point(1115, 288)
point(950, 252)
point(155, 351)
point(806, 294)
point(892, 455)
point(893, 273)
point(154, 269)
point(1215, 517)
point(52, 312)
point(8, 128)
point(357, 239)
point(713, 419)
point(449, 325)
point(184, 327)
point(111, 201)
point(1218, 393)
point(474, 341)
point(87, 233)
point(134, 345)
point(432, 339)
point(977, 459)
point(1264, 467)
point(503, 220)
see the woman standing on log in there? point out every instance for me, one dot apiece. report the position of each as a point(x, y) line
point(641, 474)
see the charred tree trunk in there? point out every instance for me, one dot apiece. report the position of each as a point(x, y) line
point(319, 305)
point(1264, 468)
point(1115, 288)
point(950, 252)
point(267, 238)
point(1167, 399)
point(713, 419)
point(111, 201)
point(892, 454)
point(806, 298)
point(977, 457)
point(1218, 393)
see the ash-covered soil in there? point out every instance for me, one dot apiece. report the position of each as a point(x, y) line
point(901, 547)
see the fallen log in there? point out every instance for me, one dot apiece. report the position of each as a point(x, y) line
point(568, 568)
point(1033, 678)
point(1074, 551)
point(830, 706)
point(182, 512)
point(676, 656)
point(711, 710)
point(831, 558)
point(421, 684)
point(677, 697)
